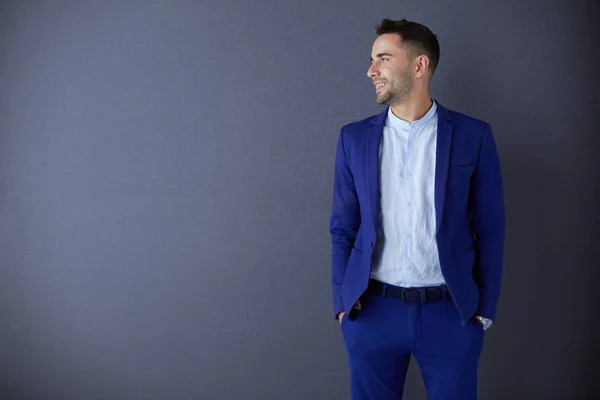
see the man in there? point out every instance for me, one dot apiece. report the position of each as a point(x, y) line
point(417, 229)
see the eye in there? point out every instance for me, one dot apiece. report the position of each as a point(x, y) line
point(384, 59)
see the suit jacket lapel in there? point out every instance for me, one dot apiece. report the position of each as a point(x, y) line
point(444, 141)
point(374, 133)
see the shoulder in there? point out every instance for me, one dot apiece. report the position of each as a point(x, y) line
point(360, 127)
point(363, 123)
point(463, 121)
point(469, 132)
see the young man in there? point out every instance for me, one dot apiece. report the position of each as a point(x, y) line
point(417, 229)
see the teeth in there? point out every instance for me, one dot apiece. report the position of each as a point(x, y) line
point(380, 85)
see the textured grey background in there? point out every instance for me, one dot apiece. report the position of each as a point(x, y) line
point(166, 177)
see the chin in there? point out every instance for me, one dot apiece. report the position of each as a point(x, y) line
point(381, 100)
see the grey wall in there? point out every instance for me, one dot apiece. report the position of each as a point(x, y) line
point(166, 177)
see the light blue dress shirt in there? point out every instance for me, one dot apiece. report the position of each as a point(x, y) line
point(406, 253)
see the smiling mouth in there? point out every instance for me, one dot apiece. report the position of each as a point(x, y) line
point(379, 86)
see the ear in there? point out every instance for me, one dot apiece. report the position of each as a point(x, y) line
point(422, 65)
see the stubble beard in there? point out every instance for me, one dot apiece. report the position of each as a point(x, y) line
point(398, 90)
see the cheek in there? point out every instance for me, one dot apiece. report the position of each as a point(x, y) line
point(387, 74)
point(393, 80)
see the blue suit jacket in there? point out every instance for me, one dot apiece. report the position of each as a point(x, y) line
point(469, 208)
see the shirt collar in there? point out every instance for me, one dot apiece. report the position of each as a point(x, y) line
point(395, 122)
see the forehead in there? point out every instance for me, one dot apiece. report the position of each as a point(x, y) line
point(388, 43)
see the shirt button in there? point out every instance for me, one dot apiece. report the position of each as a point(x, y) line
point(408, 236)
point(411, 142)
point(409, 203)
point(410, 174)
point(409, 268)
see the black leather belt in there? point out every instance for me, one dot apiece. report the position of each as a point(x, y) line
point(414, 295)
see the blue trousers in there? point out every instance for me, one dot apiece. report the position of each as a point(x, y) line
point(381, 337)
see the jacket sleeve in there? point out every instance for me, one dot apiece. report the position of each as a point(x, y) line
point(488, 221)
point(344, 222)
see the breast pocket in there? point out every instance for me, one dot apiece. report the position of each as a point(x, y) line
point(459, 166)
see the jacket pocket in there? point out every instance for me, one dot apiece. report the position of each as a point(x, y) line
point(458, 166)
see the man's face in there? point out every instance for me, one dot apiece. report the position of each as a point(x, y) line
point(390, 71)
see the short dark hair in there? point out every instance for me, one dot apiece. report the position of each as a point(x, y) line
point(416, 38)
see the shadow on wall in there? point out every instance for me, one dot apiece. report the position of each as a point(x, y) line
point(589, 216)
point(544, 344)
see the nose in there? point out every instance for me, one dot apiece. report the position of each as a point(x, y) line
point(372, 71)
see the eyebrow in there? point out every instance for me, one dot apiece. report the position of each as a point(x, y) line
point(381, 55)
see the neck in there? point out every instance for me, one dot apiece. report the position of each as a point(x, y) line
point(413, 108)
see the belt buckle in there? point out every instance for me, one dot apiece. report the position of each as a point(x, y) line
point(422, 293)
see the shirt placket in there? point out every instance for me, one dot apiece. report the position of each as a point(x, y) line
point(409, 229)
